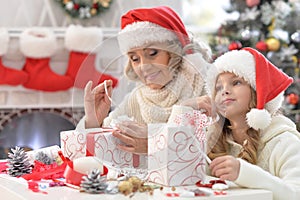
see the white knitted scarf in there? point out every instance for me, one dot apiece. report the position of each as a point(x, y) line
point(155, 105)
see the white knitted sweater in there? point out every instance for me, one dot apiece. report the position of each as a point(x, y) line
point(278, 167)
point(146, 105)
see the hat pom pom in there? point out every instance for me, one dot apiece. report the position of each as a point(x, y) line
point(258, 119)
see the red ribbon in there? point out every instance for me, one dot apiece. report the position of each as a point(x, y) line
point(45, 172)
point(3, 167)
point(90, 143)
point(210, 184)
point(73, 177)
point(34, 186)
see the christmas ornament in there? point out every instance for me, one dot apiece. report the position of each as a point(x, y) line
point(18, 162)
point(93, 183)
point(84, 9)
point(281, 35)
point(249, 14)
point(295, 59)
point(246, 34)
point(125, 187)
point(296, 36)
point(136, 183)
point(261, 46)
point(286, 53)
point(273, 44)
point(235, 45)
point(292, 98)
point(251, 3)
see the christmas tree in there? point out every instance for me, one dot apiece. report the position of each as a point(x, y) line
point(273, 28)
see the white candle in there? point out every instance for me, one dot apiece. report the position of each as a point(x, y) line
point(86, 164)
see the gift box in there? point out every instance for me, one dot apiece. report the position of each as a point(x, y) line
point(176, 150)
point(49, 154)
point(73, 144)
point(99, 143)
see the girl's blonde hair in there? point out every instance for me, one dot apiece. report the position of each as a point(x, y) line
point(250, 146)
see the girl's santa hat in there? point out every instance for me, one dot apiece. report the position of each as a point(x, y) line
point(147, 25)
point(265, 78)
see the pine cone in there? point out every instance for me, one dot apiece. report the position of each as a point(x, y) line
point(18, 162)
point(93, 183)
point(44, 158)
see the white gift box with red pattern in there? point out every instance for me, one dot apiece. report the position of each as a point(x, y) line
point(73, 144)
point(175, 150)
point(96, 142)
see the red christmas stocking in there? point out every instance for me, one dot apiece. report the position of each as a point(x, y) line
point(38, 45)
point(81, 41)
point(9, 76)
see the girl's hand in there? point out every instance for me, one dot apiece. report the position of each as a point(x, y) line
point(200, 103)
point(96, 103)
point(225, 167)
point(134, 137)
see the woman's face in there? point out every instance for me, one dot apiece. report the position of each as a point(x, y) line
point(151, 66)
point(232, 96)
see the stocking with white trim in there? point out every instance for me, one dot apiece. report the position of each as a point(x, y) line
point(38, 45)
point(82, 43)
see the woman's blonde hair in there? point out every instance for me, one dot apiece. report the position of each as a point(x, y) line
point(250, 145)
point(176, 53)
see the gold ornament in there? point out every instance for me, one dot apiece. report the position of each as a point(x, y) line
point(294, 59)
point(136, 183)
point(93, 11)
point(273, 44)
point(125, 187)
point(105, 3)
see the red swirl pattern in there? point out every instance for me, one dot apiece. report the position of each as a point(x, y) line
point(106, 150)
point(73, 144)
point(175, 151)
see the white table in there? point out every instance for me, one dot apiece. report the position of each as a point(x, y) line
point(16, 189)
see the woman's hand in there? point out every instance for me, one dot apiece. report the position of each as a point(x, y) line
point(134, 137)
point(225, 167)
point(200, 103)
point(96, 103)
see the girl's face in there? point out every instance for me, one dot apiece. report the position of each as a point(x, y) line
point(232, 96)
point(151, 66)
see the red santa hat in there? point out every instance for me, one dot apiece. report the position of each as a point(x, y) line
point(266, 79)
point(145, 25)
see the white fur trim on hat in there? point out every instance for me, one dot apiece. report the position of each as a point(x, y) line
point(83, 39)
point(38, 42)
point(138, 34)
point(4, 39)
point(258, 119)
point(241, 63)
